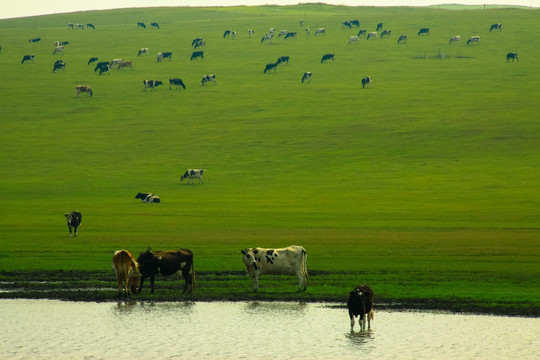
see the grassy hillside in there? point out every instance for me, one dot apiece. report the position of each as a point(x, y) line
point(431, 171)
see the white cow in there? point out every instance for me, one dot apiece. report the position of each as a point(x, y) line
point(291, 260)
point(372, 35)
point(58, 49)
point(192, 174)
point(455, 38)
point(353, 39)
point(474, 39)
point(320, 31)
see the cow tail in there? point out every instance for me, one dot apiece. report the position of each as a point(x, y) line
point(304, 266)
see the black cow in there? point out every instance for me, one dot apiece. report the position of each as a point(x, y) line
point(74, 220)
point(271, 67)
point(100, 65)
point(327, 57)
point(34, 40)
point(105, 69)
point(346, 24)
point(166, 263)
point(152, 84)
point(366, 81)
point(156, 25)
point(90, 26)
point(402, 39)
point(423, 31)
point(92, 59)
point(283, 59)
point(59, 65)
point(360, 303)
point(227, 33)
point(28, 58)
point(495, 27)
point(379, 26)
point(362, 32)
point(141, 24)
point(355, 23)
point(197, 54)
point(177, 82)
point(196, 40)
point(290, 35)
point(209, 78)
point(512, 56)
point(164, 55)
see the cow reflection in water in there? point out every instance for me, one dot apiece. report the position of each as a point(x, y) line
point(166, 263)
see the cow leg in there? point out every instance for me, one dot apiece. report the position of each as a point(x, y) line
point(69, 227)
point(301, 282)
point(152, 278)
point(76, 230)
point(351, 315)
point(141, 284)
point(256, 282)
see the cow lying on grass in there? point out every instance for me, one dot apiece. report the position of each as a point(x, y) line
point(148, 198)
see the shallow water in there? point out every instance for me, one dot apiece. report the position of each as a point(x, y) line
point(50, 329)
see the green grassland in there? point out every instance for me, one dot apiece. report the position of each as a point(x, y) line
point(425, 185)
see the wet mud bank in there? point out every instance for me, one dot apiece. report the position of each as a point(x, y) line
point(100, 286)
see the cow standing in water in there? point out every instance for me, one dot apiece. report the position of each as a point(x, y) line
point(127, 272)
point(360, 303)
point(74, 220)
point(166, 263)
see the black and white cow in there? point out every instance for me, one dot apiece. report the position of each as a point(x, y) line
point(291, 260)
point(346, 24)
point(473, 39)
point(402, 39)
point(455, 38)
point(495, 27)
point(141, 25)
point(373, 35)
point(267, 37)
point(154, 24)
point(105, 69)
point(196, 40)
point(320, 31)
point(177, 82)
point(386, 33)
point(227, 33)
point(30, 57)
point(192, 174)
point(143, 51)
point(271, 67)
point(306, 77)
point(92, 59)
point(74, 220)
point(209, 78)
point(360, 304)
point(84, 88)
point(513, 56)
point(59, 65)
point(61, 43)
point(326, 57)
point(167, 263)
point(102, 64)
point(355, 23)
point(34, 40)
point(251, 32)
point(366, 81)
point(164, 55)
point(200, 43)
point(290, 35)
point(196, 55)
point(90, 26)
point(152, 84)
point(148, 198)
point(423, 31)
point(283, 59)
point(362, 32)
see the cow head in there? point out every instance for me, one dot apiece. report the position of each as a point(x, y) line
point(134, 279)
point(147, 262)
point(250, 261)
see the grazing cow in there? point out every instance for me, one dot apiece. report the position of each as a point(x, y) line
point(73, 219)
point(127, 272)
point(79, 26)
point(251, 32)
point(306, 77)
point(199, 43)
point(196, 55)
point(34, 40)
point(360, 303)
point(346, 24)
point(353, 39)
point(283, 33)
point(209, 78)
point(61, 43)
point(115, 62)
point(152, 84)
point(283, 59)
point(474, 39)
point(90, 26)
point(101, 64)
point(192, 174)
point(321, 31)
point(271, 67)
point(227, 33)
point(143, 51)
point(362, 32)
point(402, 39)
point(233, 35)
point(267, 37)
point(164, 55)
point(177, 82)
point(141, 25)
point(326, 57)
point(58, 49)
point(423, 31)
point(291, 260)
point(455, 38)
point(59, 65)
point(301, 23)
point(379, 26)
point(308, 31)
point(386, 33)
point(154, 24)
point(355, 23)
point(148, 198)
point(28, 58)
point(495, 27)
point(71, 26)
point(92, 59)
point(84, 88)
point(125, 64)
point(366, 81)
point(271, 31)
point(105, 69)
point(372, 35)
point(196, 40)
point(291, 34)
point(166, 263)
point(513, 56)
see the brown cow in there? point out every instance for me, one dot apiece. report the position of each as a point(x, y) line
point(126, 64)
point(84, 88)
point(127, 272)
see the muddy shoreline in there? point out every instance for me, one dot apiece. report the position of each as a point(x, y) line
point(100, 287)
